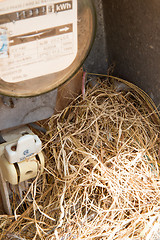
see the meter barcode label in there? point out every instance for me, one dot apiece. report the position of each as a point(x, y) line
point(3, 43)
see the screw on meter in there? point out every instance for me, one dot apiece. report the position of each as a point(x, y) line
point(40, 38)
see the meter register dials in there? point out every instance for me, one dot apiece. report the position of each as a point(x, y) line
point(42, 43)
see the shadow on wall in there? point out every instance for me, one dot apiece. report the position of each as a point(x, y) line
point(97, 61)
point(132, 31)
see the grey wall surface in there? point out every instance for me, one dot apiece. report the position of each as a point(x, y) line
point(133, 42)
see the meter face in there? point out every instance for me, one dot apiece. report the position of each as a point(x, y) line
point(37, 38)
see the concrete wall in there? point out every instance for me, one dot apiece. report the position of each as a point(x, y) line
point(132, 31)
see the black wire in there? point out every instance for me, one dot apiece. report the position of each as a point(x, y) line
point(2, 139)
point(37, 127)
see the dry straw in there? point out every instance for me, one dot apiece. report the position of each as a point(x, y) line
point(101, 179)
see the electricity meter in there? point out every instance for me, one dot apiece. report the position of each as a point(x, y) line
point(43, 43)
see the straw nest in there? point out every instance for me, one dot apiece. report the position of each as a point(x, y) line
point(101, 179)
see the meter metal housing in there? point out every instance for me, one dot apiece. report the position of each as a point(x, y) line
point(15, 104)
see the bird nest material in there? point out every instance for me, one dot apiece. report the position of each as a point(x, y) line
point(101, 179)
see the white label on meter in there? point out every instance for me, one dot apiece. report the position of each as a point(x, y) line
point(37, 38)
